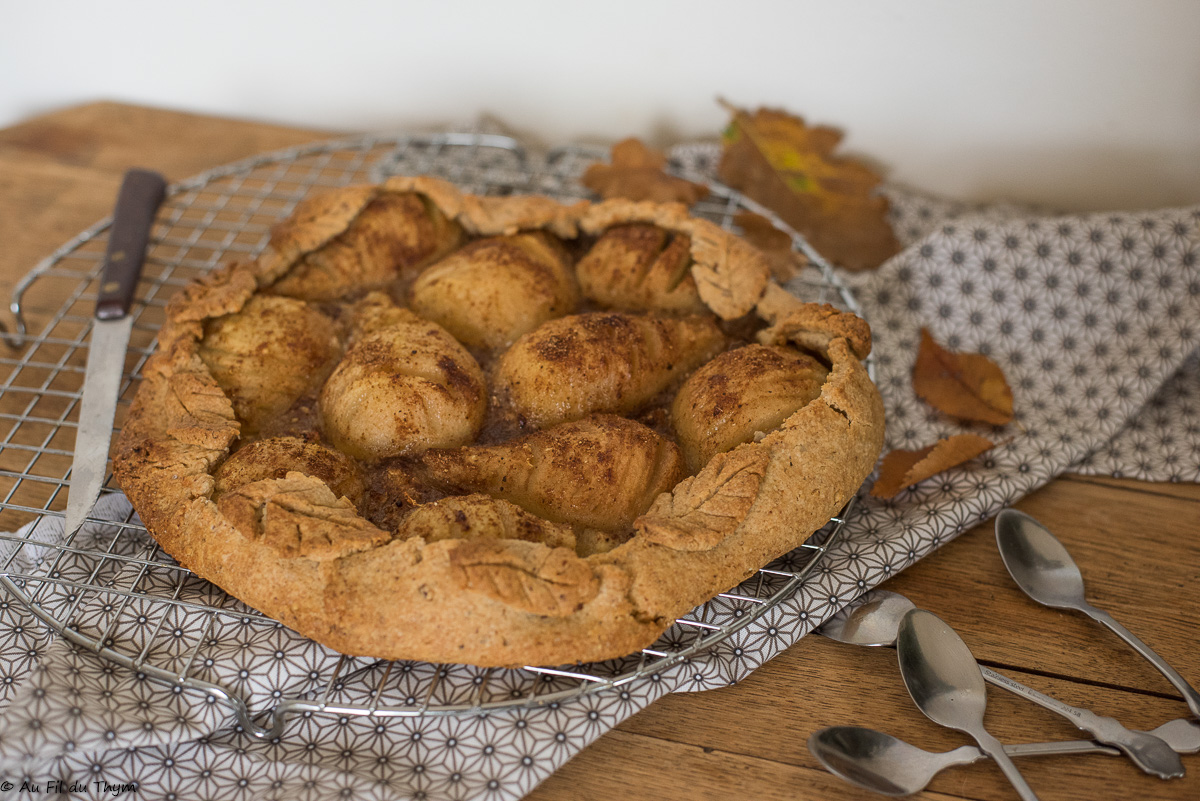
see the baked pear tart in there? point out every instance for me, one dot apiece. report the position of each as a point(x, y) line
point(494, 430)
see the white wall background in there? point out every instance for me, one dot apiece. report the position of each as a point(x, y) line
point(1083, 104)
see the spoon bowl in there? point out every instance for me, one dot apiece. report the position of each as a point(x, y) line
point(946, 684)
point(873, 619)
point(1038, 562)
point(880, 762)
point(939, 671)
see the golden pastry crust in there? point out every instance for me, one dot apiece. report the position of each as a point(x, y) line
point(814, 326)
point(279, 519)
point(275, 457)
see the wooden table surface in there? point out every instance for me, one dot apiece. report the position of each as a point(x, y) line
point(1138, 545)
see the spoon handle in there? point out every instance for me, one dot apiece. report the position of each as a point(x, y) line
point(1190, 696)
point(1061, 748)
point(1077, 716)
point(995, 749)
point(1146, 751)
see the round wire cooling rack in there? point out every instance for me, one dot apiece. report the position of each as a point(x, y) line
point(108, 587)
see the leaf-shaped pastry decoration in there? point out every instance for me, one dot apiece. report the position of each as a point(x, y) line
point(223, 291)
point(316, 220)
point(731, 275)
point(185, 465)
point(526, 575)
point(968, 386)
point(704, 510)
point(790, 167)
point(636, 173)
point(197, 411)
point(903, 468)
point(299, 516)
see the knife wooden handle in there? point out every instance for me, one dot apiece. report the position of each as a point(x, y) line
point(142, 192)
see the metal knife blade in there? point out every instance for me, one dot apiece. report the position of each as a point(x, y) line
point(142, 192)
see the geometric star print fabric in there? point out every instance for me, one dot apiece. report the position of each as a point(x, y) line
point(1121, 291)
point(1095, 321)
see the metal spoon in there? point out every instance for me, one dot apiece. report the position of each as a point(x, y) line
point(874, 618)
point(889, 765)
point(945, 683)
point(1044, 570)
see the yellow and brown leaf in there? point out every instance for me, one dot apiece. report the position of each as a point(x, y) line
point(790, 167)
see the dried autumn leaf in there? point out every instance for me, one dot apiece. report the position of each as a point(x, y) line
point(636, 173)
point(968, 386)
point(781, 162)
point(776, 245)
point(903, 468)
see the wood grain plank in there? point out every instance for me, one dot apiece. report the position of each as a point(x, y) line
point(632, 766)
point(819, 683)
point(1189, 492)
point(1140, 558)
point(110, 137)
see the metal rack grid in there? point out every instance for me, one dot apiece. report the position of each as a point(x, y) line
point(110, 589)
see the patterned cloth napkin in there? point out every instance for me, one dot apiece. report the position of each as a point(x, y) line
point(1095, 319)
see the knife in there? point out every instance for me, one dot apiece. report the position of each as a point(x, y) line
point(142, 192)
